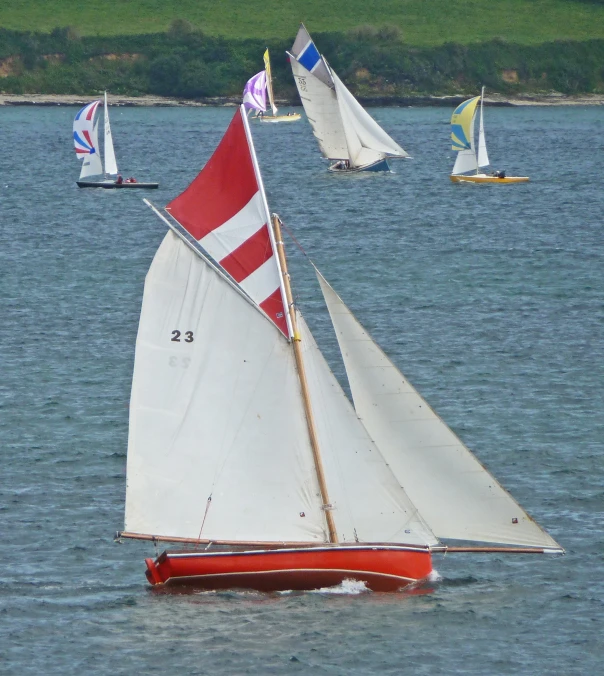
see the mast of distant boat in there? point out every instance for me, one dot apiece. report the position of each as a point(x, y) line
point(269, 82)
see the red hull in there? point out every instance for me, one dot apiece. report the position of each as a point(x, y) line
point(381, 568)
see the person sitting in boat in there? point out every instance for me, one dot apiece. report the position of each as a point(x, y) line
point(119, 180)
point(131, 180)
point(341, 165)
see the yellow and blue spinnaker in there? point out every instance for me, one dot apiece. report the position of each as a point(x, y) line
point(461, 122)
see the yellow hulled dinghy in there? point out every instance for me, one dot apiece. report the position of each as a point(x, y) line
point(468, 165)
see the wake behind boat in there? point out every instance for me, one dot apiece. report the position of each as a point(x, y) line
point(347, 134)
point(86, 141)
point(242, 441)
point(468, 162)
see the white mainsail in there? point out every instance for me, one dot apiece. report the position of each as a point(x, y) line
point(218, 445)
point(454, 493)
point(110, 161)
point(483, 157)
point(369, 503)
point(322, 110)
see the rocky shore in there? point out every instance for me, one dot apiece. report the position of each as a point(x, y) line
point(551, 99)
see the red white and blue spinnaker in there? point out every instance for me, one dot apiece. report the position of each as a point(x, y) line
point(83, 131)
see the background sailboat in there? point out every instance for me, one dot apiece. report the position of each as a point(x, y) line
point(290, 117)
point(85, 136)
point(468, 162)
point(241, 438)
point(255, 92)
point(346, 133)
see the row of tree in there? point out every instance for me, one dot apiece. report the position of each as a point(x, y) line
point(375, 62)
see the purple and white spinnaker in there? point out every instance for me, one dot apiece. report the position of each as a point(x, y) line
point(254, 93)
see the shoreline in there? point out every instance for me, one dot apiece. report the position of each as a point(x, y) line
point(552, 99)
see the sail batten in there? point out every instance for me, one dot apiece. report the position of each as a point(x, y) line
point(458, 498)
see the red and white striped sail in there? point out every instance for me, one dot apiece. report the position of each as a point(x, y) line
point(225, 210)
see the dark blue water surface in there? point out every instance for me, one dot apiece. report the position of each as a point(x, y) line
point(489, 298)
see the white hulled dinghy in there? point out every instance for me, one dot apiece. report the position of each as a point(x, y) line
point(243, 442)
point(257, 88)
point(86, 142)
point(347, 134)
point(468, 163)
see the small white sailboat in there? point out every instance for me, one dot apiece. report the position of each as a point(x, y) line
point(347, 134)
point(468, 162)
point(255, 92)
point(86, 142)
point(242, 442)
point(289, 117)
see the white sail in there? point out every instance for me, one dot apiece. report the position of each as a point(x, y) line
point(466, 159)
point(218, 445)
point(92, 164)
point(321, 107)
point(369, 502)
point(483, 158)
point(110, 162)
point(454, 493)
point(367, 141)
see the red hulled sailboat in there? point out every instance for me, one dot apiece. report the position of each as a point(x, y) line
point(243, 446)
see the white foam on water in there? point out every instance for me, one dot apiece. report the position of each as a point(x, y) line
point(434, 576)
point(351, 587)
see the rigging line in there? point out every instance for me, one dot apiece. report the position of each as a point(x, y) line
point(208, 503)
point(291, 234)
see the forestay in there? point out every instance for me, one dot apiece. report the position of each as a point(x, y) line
point(218, 445)
point(454, 493)
point(110, 161)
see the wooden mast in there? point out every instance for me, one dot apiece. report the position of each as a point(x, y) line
point(314, 442)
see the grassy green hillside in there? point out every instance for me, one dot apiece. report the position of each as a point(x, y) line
point(422, 22)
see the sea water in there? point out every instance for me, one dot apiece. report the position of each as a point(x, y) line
point(488, 298)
